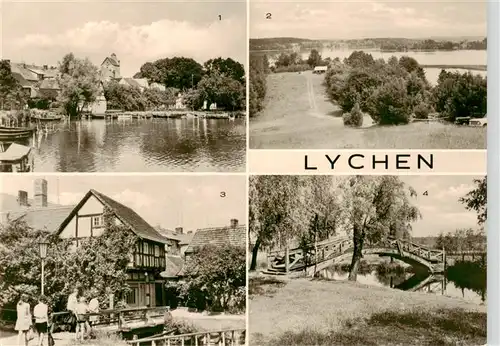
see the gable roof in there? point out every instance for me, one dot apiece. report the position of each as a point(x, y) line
point(126, 215)
point(218, 236)
point(174, 267)
point(111, 60)
point(23, 71)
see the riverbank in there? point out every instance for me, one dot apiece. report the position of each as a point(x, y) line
point(285, 311)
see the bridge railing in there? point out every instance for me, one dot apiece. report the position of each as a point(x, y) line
point(226, 337)
point(433, 255)
point(120, 317)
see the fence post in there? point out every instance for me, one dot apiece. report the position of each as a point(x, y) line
point(223, 338)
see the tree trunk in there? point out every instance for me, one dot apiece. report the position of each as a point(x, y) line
point(315, 245)
point(255, 251)
point(359, 238)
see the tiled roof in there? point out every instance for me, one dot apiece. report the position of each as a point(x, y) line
point(43, 218)
point(174, 267)
point(27, 74)
point(130, 218)
point(51, 84)
point(112, 61)
point(182, 238)
point(22, 81)
point(218, 236)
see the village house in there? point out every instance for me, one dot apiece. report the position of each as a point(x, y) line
point(38, 213)
point(233, 234)
point(320, 69)
point(87, 220)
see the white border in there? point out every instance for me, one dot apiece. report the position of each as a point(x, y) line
point(493, 222)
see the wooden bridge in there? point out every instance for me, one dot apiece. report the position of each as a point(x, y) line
point(335, 250)
point(128, 323)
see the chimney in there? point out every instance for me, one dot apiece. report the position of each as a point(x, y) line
point(178, 230)
point(40, 193)
point(23, 198)
point(234, 223)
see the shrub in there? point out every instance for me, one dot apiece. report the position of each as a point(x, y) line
point(353, 118)
point(421, 111)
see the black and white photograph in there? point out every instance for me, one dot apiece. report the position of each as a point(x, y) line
point(367, 75)
point(122, 86)
point(367, 260)
point(110, 261)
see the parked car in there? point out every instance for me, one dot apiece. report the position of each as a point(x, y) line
point(479, 122)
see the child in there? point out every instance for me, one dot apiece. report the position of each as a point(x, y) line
point(41, 314)
point(23, 322)
point(81, 310)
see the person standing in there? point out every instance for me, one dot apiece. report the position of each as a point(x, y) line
point(23, 322)
point(41, 314)
point(71, 307)
point(81, 322)
point(93, 308)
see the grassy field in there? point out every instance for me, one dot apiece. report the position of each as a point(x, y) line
point(284, 311)
point(297, 115)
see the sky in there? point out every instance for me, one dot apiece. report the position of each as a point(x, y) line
point(188, 201)
point(367, 19)
point(440, 208)
point(43, 32)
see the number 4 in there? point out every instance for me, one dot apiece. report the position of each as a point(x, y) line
point(426, 193)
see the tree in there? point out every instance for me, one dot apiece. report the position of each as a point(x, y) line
point(476, 200)
point(79, 83)
point(223, 90)
point(460, 95)
point(359, 59)
point(178, 72)
point(389, 103)
point(277, 211)
point(259, 68)
point(124, 97)
point(99, 263)
point(11, 91)
point(228, 67)
point(314, 58)
point(218, 273)
point(373, 205)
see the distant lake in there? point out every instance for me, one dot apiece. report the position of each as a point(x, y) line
point(457, 57)
point(152, 145)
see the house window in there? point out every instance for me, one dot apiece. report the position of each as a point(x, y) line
point(157, 251)
point(131, 296)
point(146, 248)
point(97, 221)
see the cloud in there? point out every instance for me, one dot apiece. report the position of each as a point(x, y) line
point(134, 199)
point(136, 44)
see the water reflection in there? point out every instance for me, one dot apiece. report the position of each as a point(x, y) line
point(459, 282)
point(143, 145)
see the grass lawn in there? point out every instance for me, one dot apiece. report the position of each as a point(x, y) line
point(297, 115)
point(284, 311)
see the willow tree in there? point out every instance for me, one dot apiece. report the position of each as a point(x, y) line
point(373, 205)
point(277, 211)
point(476, 200)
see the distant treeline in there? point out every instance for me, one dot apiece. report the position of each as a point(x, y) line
point(396, 91)
point(387, 44)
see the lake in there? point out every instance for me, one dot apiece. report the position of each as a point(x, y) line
point(458, 57)
point(143, 145)
point(448, 286)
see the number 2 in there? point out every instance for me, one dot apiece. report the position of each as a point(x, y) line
point(268, 16)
